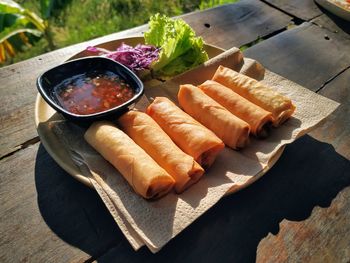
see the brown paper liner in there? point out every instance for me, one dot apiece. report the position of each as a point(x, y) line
point(154, 223)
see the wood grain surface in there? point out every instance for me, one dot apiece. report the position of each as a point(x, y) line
point(298, 212)
point(46, 215)
point(237, 24)
point(303, 9)
point(318, 239)
point(336, 129)
point(333, 24)
point(311, 172)
point(25, 237)
point(307, 54)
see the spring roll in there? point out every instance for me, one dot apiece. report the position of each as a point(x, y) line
point(280, 106)
point(233, 131)
point(145, 176)
point(191, 136)
point(258, 118)
point(150, 137)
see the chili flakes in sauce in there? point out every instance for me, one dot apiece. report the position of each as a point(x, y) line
point(93, 92)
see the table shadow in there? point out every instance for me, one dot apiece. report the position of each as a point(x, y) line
point(73, 211)
point(310, 173)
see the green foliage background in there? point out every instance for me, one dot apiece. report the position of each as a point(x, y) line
point(74, 21)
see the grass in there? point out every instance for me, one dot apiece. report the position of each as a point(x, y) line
point(74, 21)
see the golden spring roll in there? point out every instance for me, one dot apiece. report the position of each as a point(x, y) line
point(258, 118)
point(233, 131)
point(191, 136)
point(146, 177)
point(150, 137)
point(280, 106)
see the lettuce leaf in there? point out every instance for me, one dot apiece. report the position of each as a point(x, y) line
point(180, 49)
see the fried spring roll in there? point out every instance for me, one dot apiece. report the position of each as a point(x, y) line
point(280, 106)
point(191, 136)
point(150, 137)
point(146, 177)
point(258, 118)
point(233, 131)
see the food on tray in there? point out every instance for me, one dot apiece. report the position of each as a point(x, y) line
point(146, 177)
point(171, 47)
point(345, 4)
point(136, 58)
point(93, 92)
point(258, 118)
point(280, 106)
point(150, 137)
point(233, 131)
point(180, 49)
point(191, 136)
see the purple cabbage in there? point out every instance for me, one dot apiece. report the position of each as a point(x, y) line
point(136, 58)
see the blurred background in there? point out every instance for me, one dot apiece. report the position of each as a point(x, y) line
point(29, 28)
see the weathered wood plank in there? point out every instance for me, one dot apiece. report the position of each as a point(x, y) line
point(307, 55)
point(336, 130)
point(46, 215)
point(237, 24)
point(243, 23)
point(303, 9)
point(333, 23)
point(317, 239)
point(324, 236)
point(309, 174)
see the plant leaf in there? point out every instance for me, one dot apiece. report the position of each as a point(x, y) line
point(24, 38)
point(2, 53)
point(46, 7)
point(9, 48)
point(11, 7)
point(35, 19)
point(180, 49)
point(9, 32)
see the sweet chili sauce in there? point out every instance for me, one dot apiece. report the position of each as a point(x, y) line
point(93, 92)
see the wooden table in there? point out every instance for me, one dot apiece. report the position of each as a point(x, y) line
point(298, 212)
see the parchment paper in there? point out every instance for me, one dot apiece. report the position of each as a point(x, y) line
point(154, 223)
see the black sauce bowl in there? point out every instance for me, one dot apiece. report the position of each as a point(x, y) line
point(47, 81)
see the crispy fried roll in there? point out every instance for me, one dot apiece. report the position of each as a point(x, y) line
point(146, 177)
point(150, 137)
point(280, 106)
point(258, 118)
point(233, 131)
point(191, 136)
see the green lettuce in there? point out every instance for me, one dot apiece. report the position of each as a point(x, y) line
point(180, 49)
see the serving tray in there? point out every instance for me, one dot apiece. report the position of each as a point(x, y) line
point(44, 113)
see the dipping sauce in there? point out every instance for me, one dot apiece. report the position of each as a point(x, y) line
point(93, 92)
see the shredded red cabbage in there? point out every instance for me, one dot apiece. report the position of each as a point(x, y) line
point(136, 58)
